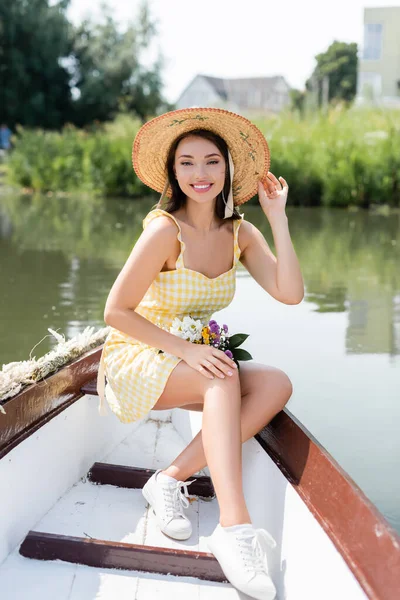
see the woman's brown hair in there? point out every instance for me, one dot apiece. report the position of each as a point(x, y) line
point(178, 198)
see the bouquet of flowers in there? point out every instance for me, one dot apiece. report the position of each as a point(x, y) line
point(213, 335)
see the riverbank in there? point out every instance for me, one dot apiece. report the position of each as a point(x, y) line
point(347, 158)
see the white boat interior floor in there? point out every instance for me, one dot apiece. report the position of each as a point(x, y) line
point(110, 513)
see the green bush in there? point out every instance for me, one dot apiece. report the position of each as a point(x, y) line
point(346, 157)
point(97, 160)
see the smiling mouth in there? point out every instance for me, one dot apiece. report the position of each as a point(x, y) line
point(202, 187)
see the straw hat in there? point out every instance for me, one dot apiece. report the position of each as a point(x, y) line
point(247, 145)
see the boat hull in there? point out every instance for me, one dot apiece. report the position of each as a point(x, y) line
point(325, 528)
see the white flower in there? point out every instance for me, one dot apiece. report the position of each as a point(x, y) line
point(187, 329)
point(177, 329)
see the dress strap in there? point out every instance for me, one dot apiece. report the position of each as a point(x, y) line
point(236, 249)
point(158, 212)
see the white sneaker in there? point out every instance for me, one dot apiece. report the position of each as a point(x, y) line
point(241, 553)
point(168, 502)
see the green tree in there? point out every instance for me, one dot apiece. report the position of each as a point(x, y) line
point(34, 83)
point(297, 98)
point(52, 73)
point(108, 74)
point(339, 65)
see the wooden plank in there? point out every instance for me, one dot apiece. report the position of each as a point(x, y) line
point(370, 547)
point(135, 478)
point(119, 555)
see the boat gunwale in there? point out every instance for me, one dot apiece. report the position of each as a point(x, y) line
point(333, 497)
point(38, 403)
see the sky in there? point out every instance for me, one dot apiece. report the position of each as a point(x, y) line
point(241, 38)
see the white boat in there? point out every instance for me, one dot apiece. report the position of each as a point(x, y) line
point(75, 526)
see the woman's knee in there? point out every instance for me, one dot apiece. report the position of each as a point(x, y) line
point(274, 382)
point(283, 387)
point(230, 382)
point(285, 382)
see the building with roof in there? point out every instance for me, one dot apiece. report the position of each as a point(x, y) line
point(378, 78)
point(247, 96)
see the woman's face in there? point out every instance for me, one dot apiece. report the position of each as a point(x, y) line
point(200, 169)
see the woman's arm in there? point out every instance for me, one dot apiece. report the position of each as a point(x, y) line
point(280, 276)
point(157, 242)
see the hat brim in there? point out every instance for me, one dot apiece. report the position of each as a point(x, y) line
point(247, 145)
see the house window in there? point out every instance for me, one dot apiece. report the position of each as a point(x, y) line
point(372, 41)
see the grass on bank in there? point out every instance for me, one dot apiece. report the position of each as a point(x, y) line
point(348, 157)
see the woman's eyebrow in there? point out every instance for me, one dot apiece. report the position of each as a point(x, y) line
point(206, 156)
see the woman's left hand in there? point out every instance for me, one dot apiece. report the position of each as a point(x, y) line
point(272, 194)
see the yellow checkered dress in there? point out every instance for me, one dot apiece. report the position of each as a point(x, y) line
point(137, 373)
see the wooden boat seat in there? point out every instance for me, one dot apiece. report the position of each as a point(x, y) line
point(118, 555)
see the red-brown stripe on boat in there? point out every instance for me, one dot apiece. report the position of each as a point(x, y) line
point(370, 547)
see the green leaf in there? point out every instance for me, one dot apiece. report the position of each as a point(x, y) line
point(240, 354)
point(237, 339)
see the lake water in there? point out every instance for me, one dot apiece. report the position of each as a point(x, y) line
point(341, 346)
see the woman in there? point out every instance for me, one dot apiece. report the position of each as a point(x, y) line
point(206, 162)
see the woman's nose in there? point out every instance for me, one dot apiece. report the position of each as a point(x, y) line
point(200, 171)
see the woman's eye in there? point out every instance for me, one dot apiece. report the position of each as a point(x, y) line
point(211, 162)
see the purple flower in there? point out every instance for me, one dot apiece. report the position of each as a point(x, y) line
point(212, 322)
point(214, 327)
point(225, 328)
point(229, 353)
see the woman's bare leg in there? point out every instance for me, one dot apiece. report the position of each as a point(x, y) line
point(222, 447)
point(265, 391)
point(219, 448)
point(221, 401)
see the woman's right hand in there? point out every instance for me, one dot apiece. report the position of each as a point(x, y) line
point(208, 361)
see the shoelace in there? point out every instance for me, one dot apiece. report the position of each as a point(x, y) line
point(254, 543)
point(175, 500)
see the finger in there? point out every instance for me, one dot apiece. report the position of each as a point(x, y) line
point(265, 186)
point(269, 184)
point(270, 192)
point(224, 358)
point(284, 182)
point(204, 372)
point(214, 369)
point(222, 366)
point(221, 355)
point(275, 180)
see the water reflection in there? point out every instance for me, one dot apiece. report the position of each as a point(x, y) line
point(350, 263)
